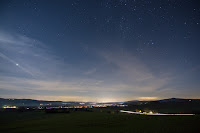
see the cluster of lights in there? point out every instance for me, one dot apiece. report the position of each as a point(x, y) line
point(139, 112)
point(9, 107)
point(121, 105)
point(90, 106)
point(94, 105)
point(150, 113)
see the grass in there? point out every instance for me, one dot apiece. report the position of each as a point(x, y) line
point(89, 122)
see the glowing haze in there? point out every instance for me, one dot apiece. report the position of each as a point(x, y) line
point(102, 51)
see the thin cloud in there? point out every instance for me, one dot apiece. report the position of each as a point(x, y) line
point(16, 64)
point(91, 71)
point(124, 75)
point(30, 55)
point(133, 72)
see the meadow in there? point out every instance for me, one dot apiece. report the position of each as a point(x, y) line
point(95, 122)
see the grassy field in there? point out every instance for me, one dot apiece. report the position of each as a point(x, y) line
point(95, 122)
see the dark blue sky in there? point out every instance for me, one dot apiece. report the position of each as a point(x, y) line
point(105, 50)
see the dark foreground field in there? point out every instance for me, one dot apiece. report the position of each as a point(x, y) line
point(95, 122)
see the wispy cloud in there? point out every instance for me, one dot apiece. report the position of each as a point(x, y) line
point(30, 55)
point(34, 68)
point(131, 71)
point(3, 56)
point(91, 71)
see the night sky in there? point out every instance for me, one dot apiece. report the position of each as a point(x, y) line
point(99, 50)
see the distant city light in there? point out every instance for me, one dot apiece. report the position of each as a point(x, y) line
point(151, 112)
point(9, 107)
